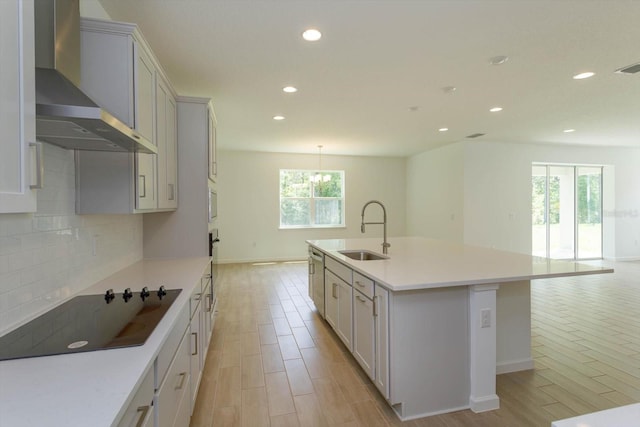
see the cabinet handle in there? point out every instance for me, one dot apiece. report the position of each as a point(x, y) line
point(184, 377)
point(198, 296)
point(312, 267)
point(333, 290)
point(142, 186)
point(39, 169)
point(375, 306)
point(171, 193)
point(142, 410)
point(359, 298)
point(195, 335)
point(359, 284)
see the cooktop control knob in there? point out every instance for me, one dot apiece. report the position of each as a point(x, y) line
point(144, 293)
point(127, 295)
point(162, 292)
point(109, 296)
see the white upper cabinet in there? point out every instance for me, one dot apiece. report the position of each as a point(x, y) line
point(120, 73)
point(167, 138)
point(213, 147)
point(17, 108)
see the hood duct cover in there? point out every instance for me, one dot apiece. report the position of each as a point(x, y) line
point(65, 116)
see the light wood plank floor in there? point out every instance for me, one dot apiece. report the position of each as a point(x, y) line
point(274, 362)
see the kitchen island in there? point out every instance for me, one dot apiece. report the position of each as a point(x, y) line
point(446, 317)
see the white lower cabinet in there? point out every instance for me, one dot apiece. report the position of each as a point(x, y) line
point(167, 394)
point(140, 411)
point(196, 361)
point(381, 318)
point(364, 332)
point(359, 314)
point(175, 386)
point(338, 305)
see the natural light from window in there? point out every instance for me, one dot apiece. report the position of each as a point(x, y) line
point(311, 199)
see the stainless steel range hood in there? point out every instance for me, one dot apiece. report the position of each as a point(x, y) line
point(65, 116)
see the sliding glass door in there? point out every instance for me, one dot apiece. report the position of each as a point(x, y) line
point(589, 210)
point(566, 211)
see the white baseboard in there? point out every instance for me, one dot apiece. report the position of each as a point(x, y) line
point(255, 260)
point(514, 366)
point(428, 414)
point(483, 404)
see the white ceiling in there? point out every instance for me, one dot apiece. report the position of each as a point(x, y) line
point(379, 58)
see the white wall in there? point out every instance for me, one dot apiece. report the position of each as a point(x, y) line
point(248, 199)
point(47, 256)
point(435, 190)
point(93, 9)
point(497, 192)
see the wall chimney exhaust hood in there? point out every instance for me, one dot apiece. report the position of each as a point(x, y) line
point(65, 116)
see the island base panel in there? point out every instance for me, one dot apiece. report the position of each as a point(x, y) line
point(429, 348)
point(513, 327)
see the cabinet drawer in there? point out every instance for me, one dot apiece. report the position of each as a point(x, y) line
point(338, 269)
point(175, 385)
point(171, 344)
point(140, 409)
point(363, 284)
point(194, 302)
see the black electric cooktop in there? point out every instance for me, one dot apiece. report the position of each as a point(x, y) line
point(89, 323)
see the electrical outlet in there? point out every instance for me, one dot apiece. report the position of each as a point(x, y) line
point(485, 318)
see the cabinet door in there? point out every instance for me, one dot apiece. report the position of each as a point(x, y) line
point(196, 354)
point(144, 93)
point(331, 298)
point(364, 332)
point(175, 386)
point(17, 106)
point(146, 196)
point(166, 139)
point(213, 162)
point(345, 330)
point(146, 164)
point(381, 301)
point(140, 410)
point(171, 184)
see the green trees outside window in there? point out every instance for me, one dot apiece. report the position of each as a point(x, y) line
point(311, 198)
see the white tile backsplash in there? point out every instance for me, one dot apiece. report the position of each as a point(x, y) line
point(48, 256)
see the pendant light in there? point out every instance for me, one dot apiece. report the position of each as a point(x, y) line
point(318, 177)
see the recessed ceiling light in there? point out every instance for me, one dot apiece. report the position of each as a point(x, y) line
point(498, 60)
point(289, 89)
point(495, 109)
point(443, 129)
point(449, 89)
point(414, 108)
point(583, 75)
point(311, 35)
point(278, 117)
point(568, 130)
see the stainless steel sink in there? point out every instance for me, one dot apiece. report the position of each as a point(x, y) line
point(362, 255)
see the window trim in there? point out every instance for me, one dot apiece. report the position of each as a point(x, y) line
point(312, 172)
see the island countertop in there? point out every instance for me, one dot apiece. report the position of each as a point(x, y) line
point(421, 263)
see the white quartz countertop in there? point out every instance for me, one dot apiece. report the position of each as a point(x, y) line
point(94, 388)
point(420, 263)
point(623, 416)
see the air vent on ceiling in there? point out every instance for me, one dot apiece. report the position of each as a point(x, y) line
point(475, 135)
point(630, 69)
